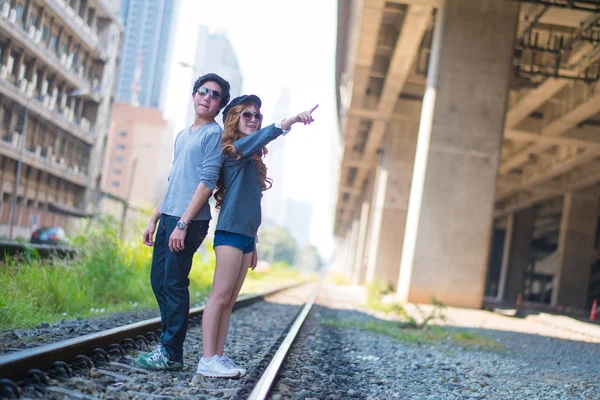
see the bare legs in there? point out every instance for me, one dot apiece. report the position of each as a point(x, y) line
point(230, 272)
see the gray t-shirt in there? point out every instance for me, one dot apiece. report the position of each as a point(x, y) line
point(198, 158)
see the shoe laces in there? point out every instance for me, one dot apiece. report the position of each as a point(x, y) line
point(227, 363)
point(157, 355)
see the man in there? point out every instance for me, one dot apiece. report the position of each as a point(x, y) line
point(183, 217)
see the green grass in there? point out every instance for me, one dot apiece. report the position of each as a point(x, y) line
point(107, 274)
point(406, 332)
point(279, 273)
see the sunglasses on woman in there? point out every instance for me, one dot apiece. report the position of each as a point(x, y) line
point(202, 91)
point(247, 116)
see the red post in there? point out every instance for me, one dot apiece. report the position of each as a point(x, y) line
point(519, 300)
point(594, 310)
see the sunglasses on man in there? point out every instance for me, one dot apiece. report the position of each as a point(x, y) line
point(202, 91)
point(247, 116)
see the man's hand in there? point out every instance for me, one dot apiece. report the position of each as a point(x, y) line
point(177, 239)
point(254, 259)
point(149, 233)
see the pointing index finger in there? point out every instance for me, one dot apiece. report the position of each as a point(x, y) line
point(313, 109)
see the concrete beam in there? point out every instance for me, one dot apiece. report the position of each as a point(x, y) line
point(362, 56)
point(556, 168)
point(528, 136)
point(515, 183)
point(535, 98)
point(375, 115)
point(579, 179)
point(415, 24)
point(577, 114)
point(350, 190)
point(368, 164)
point(429, 3)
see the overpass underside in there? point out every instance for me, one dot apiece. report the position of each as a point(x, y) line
point(471, 136)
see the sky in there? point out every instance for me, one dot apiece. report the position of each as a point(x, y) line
point(278, 43)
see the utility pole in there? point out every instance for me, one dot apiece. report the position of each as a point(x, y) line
point(128, 198)
point(13, 207)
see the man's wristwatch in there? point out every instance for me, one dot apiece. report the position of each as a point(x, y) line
point(181, 225)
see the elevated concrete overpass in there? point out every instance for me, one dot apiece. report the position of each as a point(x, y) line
point(471, 136)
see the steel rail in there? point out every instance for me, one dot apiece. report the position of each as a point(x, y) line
point(17, 365)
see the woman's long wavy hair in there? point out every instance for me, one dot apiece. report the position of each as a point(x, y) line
point(230, 135)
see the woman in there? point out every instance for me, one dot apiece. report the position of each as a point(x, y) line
point(239, 191)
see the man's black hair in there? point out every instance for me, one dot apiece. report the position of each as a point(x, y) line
point(219, 81)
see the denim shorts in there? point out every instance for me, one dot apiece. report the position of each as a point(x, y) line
point(242, 242)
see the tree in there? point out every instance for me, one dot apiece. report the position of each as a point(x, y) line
point(276, 245)
point(309, 258)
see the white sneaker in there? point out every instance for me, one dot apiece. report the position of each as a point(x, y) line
point(216, 367)
point(231, 364)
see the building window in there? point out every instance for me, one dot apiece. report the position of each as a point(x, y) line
point(32, 20)
point(52, 44)
point(117, 171)
point(121, 146)
point(122, 133)
point(20, 12)
point(44, 32)
point(5, 197)
point(119, 159)
point(115, 184)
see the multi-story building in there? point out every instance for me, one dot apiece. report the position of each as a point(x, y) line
point(138, 154)
point(214, 53)
point(149, 29)
point(274, 205)
point(298, 220)
point(57, 65)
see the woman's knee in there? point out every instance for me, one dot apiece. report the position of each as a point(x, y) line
point(219, 299)
point(231, 302)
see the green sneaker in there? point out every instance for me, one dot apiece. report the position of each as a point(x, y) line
point(147, 354)
point(157, 360)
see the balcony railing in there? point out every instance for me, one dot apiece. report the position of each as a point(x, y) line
point(46, 108)
point(78, 25)
point(51, 163)
point(61, 64)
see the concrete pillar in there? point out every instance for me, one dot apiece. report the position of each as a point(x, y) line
point(360, 266)
point(26, 14)
point(393, 187)
point(576, 250)
point(517, 251)
point(32, 70)
point(372, 243)
point(352, 241)
point(6, 53)
point(86, 8)
point(41, 16)
point(20, 66)
point(93, 22)
point(462, 121)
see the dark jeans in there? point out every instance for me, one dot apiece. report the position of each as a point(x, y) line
point(170, 282)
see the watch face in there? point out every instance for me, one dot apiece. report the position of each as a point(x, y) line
point(181, 225)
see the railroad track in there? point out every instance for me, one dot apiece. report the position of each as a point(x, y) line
point(66, 368)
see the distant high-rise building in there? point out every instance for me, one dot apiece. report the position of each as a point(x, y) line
point(138, 154)
point(146, 51)
point(273, 201)
point(214, 53)
point(298, 220)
